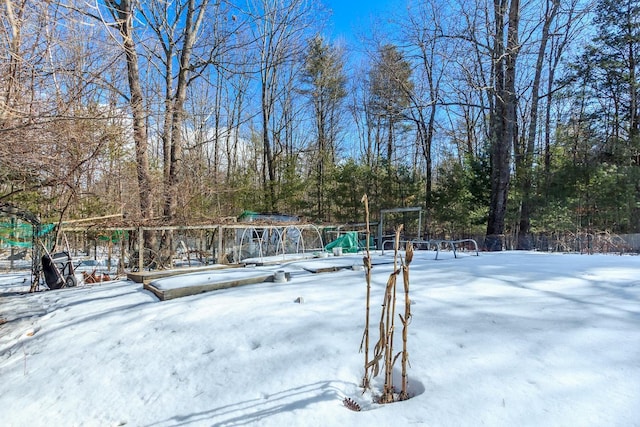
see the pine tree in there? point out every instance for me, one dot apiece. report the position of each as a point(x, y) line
point(391, 85)
point(325, 81)
point(606, 83)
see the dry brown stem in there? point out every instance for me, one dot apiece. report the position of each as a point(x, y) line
point(367, 266)
point(404, 395)
point(387, 325)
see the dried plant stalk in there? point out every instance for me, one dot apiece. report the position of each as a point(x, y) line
point(379, 350)
point(388, 395)
point(404, 394)
point(367, 267)
point(383, 349)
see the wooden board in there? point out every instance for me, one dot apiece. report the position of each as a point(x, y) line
point(275, 260)
point(331, 264)
point(212, 285)
point(145, 277)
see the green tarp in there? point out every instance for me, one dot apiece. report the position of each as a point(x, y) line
point(20, 234)
point(348, 242)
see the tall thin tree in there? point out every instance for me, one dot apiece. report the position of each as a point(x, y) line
point(503, 117)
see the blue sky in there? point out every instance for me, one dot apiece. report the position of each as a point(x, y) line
point(351, 15)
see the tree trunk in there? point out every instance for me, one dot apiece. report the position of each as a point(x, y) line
point(191, 28)
point(173, 176)
point(14, 59)
point(123, 11)
point(502, 120)
point(524, 166)
point(268, 165)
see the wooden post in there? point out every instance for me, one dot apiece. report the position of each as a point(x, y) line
point(220, 243)
point(109, 252)
point(140, 249)
point(122, 253)
point(13, 237)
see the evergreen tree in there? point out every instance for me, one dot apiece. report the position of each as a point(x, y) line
point(605, 92)
point(616, 49)
point(389, 90)
point(325, 81)
point(390, 86)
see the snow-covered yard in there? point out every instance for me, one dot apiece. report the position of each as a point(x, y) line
point(503, 339)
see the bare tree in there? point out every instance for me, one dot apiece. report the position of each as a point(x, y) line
point(278, 30)
point(430, 53)
point(503, 117)
point(13, 44)
point(177, 27)
point(54, 129)
point(123, 12)
point(524, 156)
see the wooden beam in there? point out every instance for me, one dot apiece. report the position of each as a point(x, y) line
point(95, 218)
point(146, 277)
point(213, 285)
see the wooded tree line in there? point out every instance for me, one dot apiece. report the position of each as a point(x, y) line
point(498, 117)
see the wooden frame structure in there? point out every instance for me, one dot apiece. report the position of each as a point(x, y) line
point(221, 233)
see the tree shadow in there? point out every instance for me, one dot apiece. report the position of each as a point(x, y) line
point(33, 311)
point(254, 410)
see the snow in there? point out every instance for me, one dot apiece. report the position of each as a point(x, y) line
point(503, 339)
point(202, 278)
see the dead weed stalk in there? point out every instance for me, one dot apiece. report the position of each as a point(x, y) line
point(364, 344)
point(383, 349)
